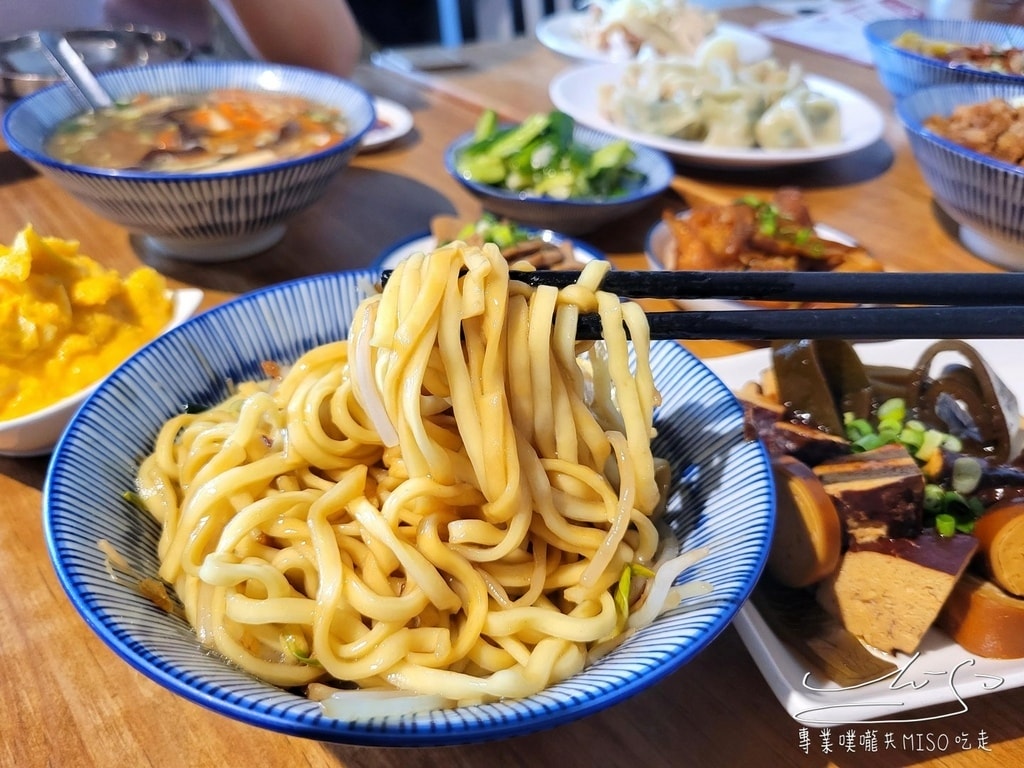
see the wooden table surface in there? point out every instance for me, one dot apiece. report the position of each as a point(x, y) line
point(69, 701)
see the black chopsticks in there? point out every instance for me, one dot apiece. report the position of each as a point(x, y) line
point(959, 305)
point(860, 323)
point(955, 288)
point(946, 304)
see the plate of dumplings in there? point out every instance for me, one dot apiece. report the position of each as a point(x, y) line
point(760, 115)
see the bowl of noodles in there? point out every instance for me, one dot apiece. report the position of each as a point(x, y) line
point(204, 161)
point(287, 532)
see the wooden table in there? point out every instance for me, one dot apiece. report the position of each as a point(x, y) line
point(69, 701)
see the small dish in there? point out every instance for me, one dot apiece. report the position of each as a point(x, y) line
point(574, 215)
point(561, 33)
point(576, 92)
point(393, 122)
point(35, 434)
point(425, 241)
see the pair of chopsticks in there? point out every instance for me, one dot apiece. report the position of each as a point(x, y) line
point(921, 305)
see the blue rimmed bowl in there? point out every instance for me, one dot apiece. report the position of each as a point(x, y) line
point(722, 497)
point(902, 71)
point(577, 215)
point(199, 217)
point(983, 195)
point(425, 241)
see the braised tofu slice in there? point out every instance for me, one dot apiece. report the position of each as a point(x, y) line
point(768, 421)
point(888, 592)
point(878, 493)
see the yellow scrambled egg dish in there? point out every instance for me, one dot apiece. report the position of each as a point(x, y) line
point(66, 321)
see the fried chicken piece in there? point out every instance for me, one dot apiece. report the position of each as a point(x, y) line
point(757, 236)
point(1009, 146)
point(791, 205)
point(994, 128)
point(712, 237)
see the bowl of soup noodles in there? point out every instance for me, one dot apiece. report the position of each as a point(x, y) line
point(206, 161)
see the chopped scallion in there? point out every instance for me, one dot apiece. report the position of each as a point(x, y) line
point(945, 524)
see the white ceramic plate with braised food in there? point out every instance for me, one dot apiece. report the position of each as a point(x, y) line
point(811, 118)
point(292, 638)
point(865, 568)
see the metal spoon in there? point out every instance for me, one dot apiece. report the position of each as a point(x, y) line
point(73, 70)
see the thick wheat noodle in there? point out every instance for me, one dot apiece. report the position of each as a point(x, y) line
point(441, 504)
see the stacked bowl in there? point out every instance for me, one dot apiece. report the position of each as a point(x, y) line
point(982, 194)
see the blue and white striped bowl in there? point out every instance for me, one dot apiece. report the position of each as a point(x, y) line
point(902, 71)
point(425, 241)
point(575, 216)
point(722, 497)
point(200, 217)
point(983, 195)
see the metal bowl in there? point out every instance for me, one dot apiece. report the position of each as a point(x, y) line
point(25, 69)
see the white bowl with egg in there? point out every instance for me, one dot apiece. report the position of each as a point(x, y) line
point(36, 433)
point(213, 215)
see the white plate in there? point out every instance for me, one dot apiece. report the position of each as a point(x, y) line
point(575, 92)
point(562, 33)
point(941, 672)
point(393, 122)
point(659, 240)
point(424, 241)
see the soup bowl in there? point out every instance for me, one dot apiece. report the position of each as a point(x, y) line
point(209, 216)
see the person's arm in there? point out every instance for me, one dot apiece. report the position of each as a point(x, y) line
point(320, 34)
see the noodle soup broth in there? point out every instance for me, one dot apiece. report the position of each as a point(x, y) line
point(223, 129)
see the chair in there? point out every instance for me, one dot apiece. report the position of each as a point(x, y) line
point(494, 19)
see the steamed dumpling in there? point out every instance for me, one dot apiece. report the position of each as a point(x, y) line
point(799, 120)
point(729, 122)
point(823, 115)
point(719, 102)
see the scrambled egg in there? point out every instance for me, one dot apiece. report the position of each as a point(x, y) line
point(66, 320)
